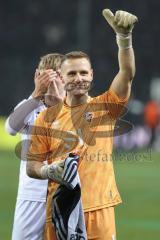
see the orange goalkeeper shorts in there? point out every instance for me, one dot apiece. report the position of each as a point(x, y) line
point(100, 225)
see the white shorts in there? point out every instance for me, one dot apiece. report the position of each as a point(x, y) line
point(29, 220)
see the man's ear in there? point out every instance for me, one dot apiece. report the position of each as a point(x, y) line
point(92, 73)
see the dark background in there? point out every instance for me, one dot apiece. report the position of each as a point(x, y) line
point(32, 28)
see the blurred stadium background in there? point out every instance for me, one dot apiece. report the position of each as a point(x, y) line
point(30, 29)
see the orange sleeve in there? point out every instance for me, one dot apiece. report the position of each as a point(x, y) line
point(114, 104)
point(39, 147)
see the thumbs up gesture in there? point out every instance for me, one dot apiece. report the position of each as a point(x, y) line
point(122, 22)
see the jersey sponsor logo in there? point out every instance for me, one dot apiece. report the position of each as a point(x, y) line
point(88, 116)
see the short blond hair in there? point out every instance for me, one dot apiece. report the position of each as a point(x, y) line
point(76, 55)
point(51, 61)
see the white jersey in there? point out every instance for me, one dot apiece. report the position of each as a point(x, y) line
point(29, 188)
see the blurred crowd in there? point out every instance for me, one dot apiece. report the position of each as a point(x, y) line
point(146, 122)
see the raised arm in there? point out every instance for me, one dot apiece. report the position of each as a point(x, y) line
point(122, 23)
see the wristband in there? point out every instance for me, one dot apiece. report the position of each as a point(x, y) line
point(124, 41)
point(44, 172)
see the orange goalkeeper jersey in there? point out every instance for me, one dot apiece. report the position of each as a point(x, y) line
point(87, 128)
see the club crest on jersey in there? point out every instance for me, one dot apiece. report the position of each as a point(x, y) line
point(88, 116)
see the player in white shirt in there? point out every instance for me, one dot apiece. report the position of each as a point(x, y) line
point(29, 217)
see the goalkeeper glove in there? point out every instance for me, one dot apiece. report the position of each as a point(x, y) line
point(122, 23)
point(53, 171)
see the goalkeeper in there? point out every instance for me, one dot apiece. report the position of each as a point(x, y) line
point(99, 191)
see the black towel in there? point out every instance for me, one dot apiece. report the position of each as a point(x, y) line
point(67, 211)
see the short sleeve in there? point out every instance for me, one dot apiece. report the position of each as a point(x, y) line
point(114, 104)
